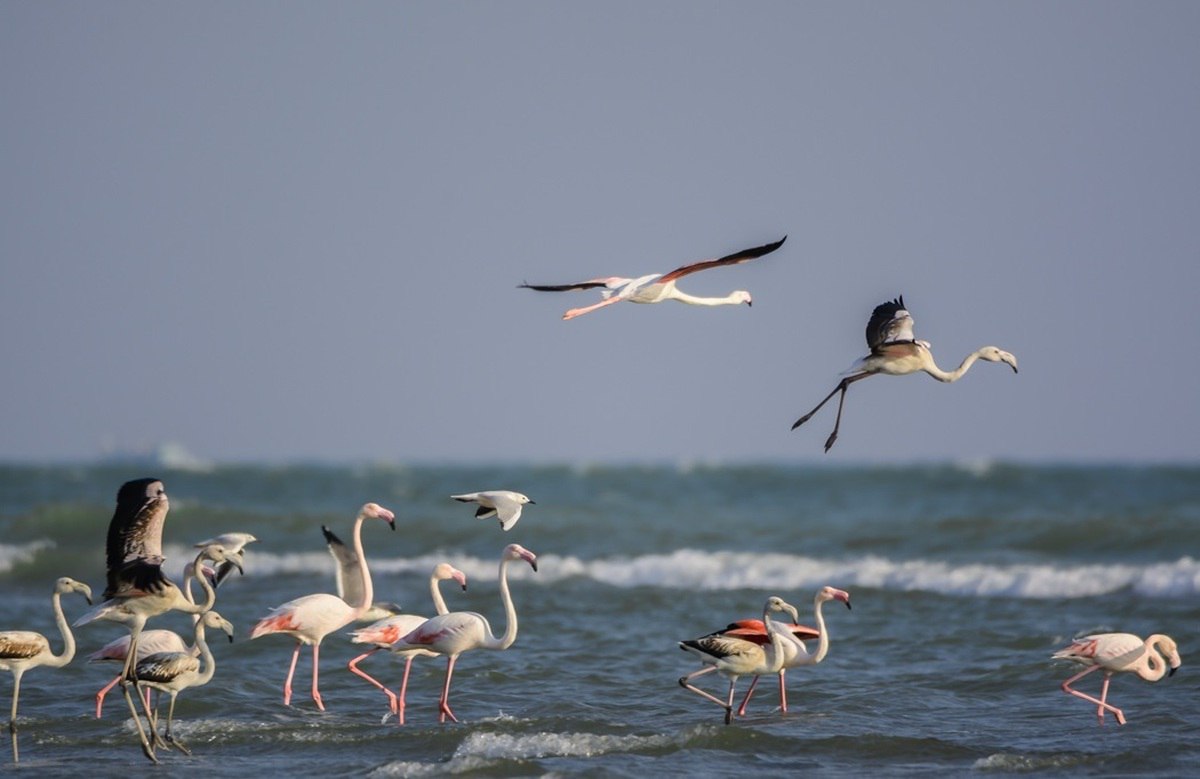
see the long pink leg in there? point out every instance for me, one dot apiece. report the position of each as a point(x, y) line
point(403, 690)
point(1104, 702)
point(1066, 687)
point(355, 670)
point(100, 696)
point(574, 312)
point(287, 683)
point(316, 694)
point(685, 682)
point(444, 703)
point(746, 700)
point(782, 691)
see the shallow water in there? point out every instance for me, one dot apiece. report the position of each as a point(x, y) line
point(964, 579)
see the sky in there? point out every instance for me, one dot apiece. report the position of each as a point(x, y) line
point(277, 232)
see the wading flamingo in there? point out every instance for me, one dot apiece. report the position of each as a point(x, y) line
point(21, 650)
point(386, 632)
point(502, 504)
point(310, 618)
point(1119, 653)
point(736, 657)
point(895, 352)
point(173, 672)
point(657, 287)
point(348, 577)
point(459, 631)
point(795, 651)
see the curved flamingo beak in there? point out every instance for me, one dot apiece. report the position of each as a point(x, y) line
point(461, 578)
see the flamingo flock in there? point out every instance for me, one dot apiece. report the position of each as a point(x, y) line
point(138, 591)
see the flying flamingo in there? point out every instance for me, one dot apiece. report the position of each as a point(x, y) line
point(310, 618)
point(502, 504)
point(1116, 653)
point(234, 543)
point(348, 576)
point(459, 631)
point(173, 672)
point(737, 657)
point(657, 287)
point(795, 651)
point(895, 352)
point(384, 633)
point(21, 650)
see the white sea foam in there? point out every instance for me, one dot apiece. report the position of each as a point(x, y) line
point(723, 570)
point(16, 554)
point(1010, 763)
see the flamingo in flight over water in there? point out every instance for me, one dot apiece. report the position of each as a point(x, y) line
point(310, 618)
point(386, 632)
point(21, 650)
point(895, 352)
point(1119, 653)
point(657, 287)
point(505, 505)
point(348, 576)
point(795, 651)
point(738, 657)
point(459, 631)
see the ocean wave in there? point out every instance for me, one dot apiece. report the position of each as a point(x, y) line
point(725, 570)
point(12, 555)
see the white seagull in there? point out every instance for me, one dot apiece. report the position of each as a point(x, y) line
point(657, 287)
point(503, 504)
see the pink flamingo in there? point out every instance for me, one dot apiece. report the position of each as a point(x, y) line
point(895, 352)
point(386, 632)
point(21, 650)
point(1119, 653)
point(657, 287)
point(459, 631)
point(734, 658)
point(795, 651)
point(310, 618)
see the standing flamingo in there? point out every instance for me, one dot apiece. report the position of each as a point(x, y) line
point(795, 651)
point(895, 352)
point(737, 657)
point(348, 577)
point(173, 672)
point(310, 618)
point(657, 287)
point(459, 631)
point(386, 632)
point(21, 650)
point(505, 505)
point(1117, 653)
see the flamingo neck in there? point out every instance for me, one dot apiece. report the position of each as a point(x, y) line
point(510, 613)
point(210, 595)
point(208, 665)
point(823, 639)
point(775, 658)
point(948, 376)
point(68, 653)
point(368, 591)
point(683, 297)
point(1155, 666)
point(439, 603)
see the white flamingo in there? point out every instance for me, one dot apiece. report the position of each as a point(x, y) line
point(386, 632)
point(21, 650)
point(795, 651)
point(459, 631)
point(1119, 653)
point(310, 618)
point(348, 577)
point(234, 543)
point(505, 505)
point(657, 287)
point(895, 352)
point(174, 672)
point(734, 658)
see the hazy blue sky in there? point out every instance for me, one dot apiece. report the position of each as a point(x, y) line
point(280, 231)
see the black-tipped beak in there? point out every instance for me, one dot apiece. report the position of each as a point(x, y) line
point(534, 566)
point(750, 303)
point(1172, 671)
point(1015, 369)
point(533, 503)
point(392, 524)
point(848, 604)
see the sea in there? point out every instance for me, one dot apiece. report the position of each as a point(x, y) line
point(964, 579)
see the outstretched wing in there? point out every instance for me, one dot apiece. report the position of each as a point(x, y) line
point(592, 284)
point(730, 259)
point(133, 552)
point(890, 323)
point(348, 573)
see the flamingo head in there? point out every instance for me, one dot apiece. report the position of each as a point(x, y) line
point(445, 571)
point(214, 620)
point(518, 552)
point(741, 296)
point(994, 354)
point(67, 584)
point(832, 593)
point(1168, 647)
point(375, 511)
point(776, 603)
